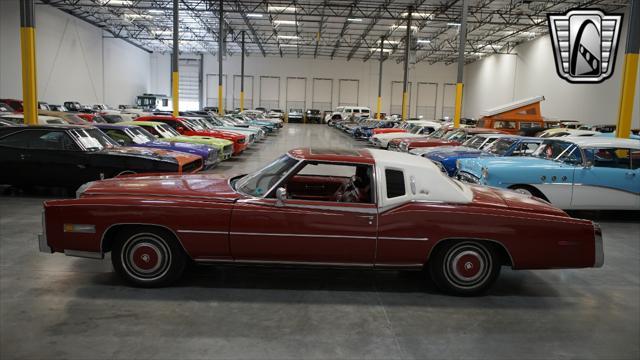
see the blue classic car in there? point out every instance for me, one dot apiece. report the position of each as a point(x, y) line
point(366, 131)
point(136, 136)
point(483, 145)
point(572, 173)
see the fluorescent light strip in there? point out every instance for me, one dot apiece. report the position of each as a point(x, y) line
point(254, 15)
point(288, 37)
point(271, 8)
point(285, 22)
point(417, 14)
point(453, 24)
point(378, 49)
point(402, 27)
point(424, 41)
point(354, 20)
point(390, 42)
point(288, 45)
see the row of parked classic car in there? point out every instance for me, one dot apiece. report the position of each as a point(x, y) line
point(77, 149)
point(570, 168)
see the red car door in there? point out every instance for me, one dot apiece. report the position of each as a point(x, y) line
point(306, 231)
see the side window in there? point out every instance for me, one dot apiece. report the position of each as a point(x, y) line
point(332, 182)
point(17, 140)
point(504, 125)
point(173, 124)
point(152, 130)
point(525, 149)
point(635, 159)
point(611, 158)
point(395, 183)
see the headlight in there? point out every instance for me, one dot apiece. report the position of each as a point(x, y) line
point(485, 173)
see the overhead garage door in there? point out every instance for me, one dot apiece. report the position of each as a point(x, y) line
point(212, 90)
point(322, 94)
point(270, 92)
point(296, 93)
point(348, 92)
point(189, 84)
point(427, 97)
point(248, 91)
point(396, 98)
point(448, 100)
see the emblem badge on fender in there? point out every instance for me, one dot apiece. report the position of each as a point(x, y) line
point(584, 44)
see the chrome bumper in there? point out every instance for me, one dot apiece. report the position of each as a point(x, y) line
point(599, 246)
point(43, 246)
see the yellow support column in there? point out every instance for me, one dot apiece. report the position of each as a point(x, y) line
point(220, 109)
point(630, 73)
point(28, 50)
point(175, 93)
point(404, 106)
point(175, 77)
point(379, 108)
point(241, 101)
point(458, 109)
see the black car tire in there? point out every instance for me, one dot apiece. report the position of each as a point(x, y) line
point(464, 267)
point(148, 256)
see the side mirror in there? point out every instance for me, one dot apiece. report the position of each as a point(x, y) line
point(281, 196)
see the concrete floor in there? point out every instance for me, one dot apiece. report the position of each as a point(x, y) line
point(52, 306)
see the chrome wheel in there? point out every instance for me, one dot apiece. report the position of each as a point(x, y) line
point(145, 257)
point(467, 265)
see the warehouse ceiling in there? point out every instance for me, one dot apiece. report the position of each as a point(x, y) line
point(345, 29)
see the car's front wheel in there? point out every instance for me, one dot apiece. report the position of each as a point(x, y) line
point(148, 257)
point(464, 267)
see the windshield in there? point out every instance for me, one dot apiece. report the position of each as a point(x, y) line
point(501, 146)
point(559, 151)
point(457, 135)
point(194, 124)
point(261, 181)
point(439, 133)
point(166, 131)
point(415, 130)
point(139, 135)
point(475, 142)
point(93, 139)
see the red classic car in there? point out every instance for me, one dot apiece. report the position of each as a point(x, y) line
point(452, 138)
point(324, 207)
point(192, 128)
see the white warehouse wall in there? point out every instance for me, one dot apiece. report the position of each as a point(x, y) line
point(74, 60)
point(365, 72)
point(531, 71)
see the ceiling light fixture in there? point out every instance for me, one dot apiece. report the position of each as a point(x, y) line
point(403, 27)
point(354, 20)
point(254, 15)
point(271, 8)
point(156, 12)
point(288, 45)
point(417, 14)
point(424, 41)
point(285, 22)
point(453, 24)
point(288, 37)
point(378, 49)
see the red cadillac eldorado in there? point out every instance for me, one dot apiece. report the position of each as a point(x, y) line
point(322, 207)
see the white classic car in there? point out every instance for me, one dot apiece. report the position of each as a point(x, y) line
point(418, 128)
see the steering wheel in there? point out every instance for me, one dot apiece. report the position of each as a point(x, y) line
point(345, 188)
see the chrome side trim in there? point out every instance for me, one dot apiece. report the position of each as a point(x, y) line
point(402, 238)
point(202, 232)
point(276, 262)
point(332, 208)
point(84, 254)
point(303, 235)
point(599, 246)
point(79, 228)
point(399, 266)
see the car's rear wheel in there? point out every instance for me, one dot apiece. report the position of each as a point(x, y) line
point(465, 267)
point(148, 257)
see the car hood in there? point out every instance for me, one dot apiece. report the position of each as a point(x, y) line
point(393, 135)
point(443, 152)
point(200, 139)
point(424, 141)
point(485, 196)
point(475, 165)
point(202, 150)
point(201, 186)
point(149, 153)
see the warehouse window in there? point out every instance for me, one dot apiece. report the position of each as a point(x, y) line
point(395, 183)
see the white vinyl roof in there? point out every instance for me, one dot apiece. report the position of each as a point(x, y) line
point(512, 105)
point(602, 141)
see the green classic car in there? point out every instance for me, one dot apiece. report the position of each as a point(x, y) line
point(167, 133)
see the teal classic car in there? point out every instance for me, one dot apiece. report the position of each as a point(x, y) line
point(571, 173)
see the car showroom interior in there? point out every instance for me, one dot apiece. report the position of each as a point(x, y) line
point(319, 179)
